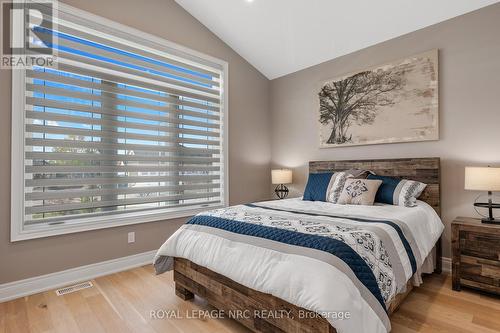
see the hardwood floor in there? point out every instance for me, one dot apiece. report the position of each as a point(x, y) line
point(123, 302)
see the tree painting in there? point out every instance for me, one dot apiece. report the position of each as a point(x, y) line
point(360, 108)
point(355, 99)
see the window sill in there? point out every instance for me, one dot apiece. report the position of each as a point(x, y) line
point(33, 232)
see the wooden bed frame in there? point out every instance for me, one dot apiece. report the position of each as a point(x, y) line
point(247, 304)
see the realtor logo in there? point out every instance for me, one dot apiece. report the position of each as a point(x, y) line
point(28, 37)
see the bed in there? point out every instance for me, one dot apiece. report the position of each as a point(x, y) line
point(300, 266)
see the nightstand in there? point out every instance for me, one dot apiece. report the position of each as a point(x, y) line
point(476, 255)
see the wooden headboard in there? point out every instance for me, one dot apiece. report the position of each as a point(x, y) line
point(426, 170)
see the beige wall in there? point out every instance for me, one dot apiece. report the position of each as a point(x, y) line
point(469, 115)
point(469, 106)
point(249, 146)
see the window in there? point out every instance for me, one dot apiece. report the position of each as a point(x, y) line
point(126, 128)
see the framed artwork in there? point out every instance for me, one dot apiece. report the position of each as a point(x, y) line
point(395, 102)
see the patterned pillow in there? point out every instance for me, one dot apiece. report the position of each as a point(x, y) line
point(317, 185)
point(400, 192)
point(338, 180)
point(336, 185)
point(359, 192)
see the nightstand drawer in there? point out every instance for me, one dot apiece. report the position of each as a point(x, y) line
point(480, 270)
point(481, 245)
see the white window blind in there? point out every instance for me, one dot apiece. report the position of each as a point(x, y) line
point(123, 125)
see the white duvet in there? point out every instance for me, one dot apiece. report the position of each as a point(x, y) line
point(300, 280)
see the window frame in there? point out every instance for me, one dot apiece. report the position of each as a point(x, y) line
point(18, 230)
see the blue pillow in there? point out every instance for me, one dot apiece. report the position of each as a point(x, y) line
point(396, 191)
point(385, 193)
point(316, 187)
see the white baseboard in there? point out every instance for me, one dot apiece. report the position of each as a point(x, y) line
point(446, 264)
point(30, 286)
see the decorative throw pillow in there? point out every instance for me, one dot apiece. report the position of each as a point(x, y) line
point(336, 185)
point(317, 185)
point(338, 180)
point(396, 191)
point(359, 191)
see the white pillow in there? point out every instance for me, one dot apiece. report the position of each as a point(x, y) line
point(359, 192)
point(336, 186)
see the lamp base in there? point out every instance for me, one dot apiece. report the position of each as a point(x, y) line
point(281, 191)
point(490, 221)
point(490, 205)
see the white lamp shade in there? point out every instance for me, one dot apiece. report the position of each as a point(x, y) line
point(482, 179)
point(281, 176)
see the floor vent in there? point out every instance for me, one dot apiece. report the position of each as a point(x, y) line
point(72, 289)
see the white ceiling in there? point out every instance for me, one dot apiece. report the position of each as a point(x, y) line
point(279, 37)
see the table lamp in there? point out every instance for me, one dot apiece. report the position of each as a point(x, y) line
point(280, 177)
point(484, 179)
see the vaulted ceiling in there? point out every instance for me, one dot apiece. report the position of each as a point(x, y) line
point(279, 37)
